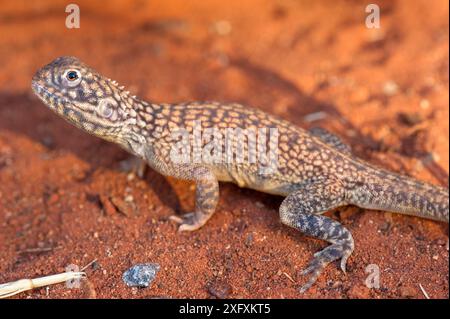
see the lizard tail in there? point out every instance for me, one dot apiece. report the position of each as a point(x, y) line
point(383, 190)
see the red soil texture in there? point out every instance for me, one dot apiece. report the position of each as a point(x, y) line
point(65, 200)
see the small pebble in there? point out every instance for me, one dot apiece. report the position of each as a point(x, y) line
point(222, 27)
point(424, 104)
point(259, 204)
point(336, 284)
point(359, 95)
point(249, 240)
point(140, 275)
point(48, 141)
point(410, 119)
point(53, 199)
point(123, 206)
point(390, 88)
point(219, 289)
point(107, 205)
point(385, 227)
point(407, 292)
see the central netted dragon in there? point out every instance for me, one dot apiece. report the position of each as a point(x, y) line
point(315, 171)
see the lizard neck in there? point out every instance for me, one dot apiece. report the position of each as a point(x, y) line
point(146, 124)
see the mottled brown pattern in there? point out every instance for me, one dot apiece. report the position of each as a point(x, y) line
point(316, 171)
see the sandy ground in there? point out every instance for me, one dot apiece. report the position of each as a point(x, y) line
point(64, 199)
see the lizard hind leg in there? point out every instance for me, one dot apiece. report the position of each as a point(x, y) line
point(302, 210)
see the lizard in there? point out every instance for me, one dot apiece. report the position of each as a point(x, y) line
point(315, 171)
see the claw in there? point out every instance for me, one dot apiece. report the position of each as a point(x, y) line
point(176, 219)
point(188, 222)
point(306, 271)
point(312, 267)
point(344, 264)
point(321, 260)
point(315, 268)
point(306, 286)
point(187, 227)
point(134, 165)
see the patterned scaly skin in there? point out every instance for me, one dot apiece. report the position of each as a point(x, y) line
point(316, 171)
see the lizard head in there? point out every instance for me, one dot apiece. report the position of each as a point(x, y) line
point(85, 98)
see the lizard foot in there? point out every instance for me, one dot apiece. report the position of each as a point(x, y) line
point(134, 165)
point(303, 210)
point(188, 222)
point(322, 259)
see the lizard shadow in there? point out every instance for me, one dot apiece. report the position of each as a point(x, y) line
point(21, 113)
point(265, 207)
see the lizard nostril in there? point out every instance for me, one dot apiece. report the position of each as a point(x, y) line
point(36, 77)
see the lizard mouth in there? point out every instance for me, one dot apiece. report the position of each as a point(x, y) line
point(50, 99)
point(42, 93)
point(58, 104)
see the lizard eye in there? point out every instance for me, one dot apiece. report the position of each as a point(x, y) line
point(72, 78)
point(72, 75)
point(105, 109)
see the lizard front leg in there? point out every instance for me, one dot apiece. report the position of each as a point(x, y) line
point(301, 210)
point(206, 198)
point(135, 165)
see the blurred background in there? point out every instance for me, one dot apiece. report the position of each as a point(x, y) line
point(384, 90)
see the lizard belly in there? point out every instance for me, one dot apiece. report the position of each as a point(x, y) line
point(247, 179)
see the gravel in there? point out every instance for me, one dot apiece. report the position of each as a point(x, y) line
point(140, 275)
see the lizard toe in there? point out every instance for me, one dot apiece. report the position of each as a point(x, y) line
point(322, 259)
point(188, 222)
point(134, 165)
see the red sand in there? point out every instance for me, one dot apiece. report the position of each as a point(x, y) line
point(386, 92)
